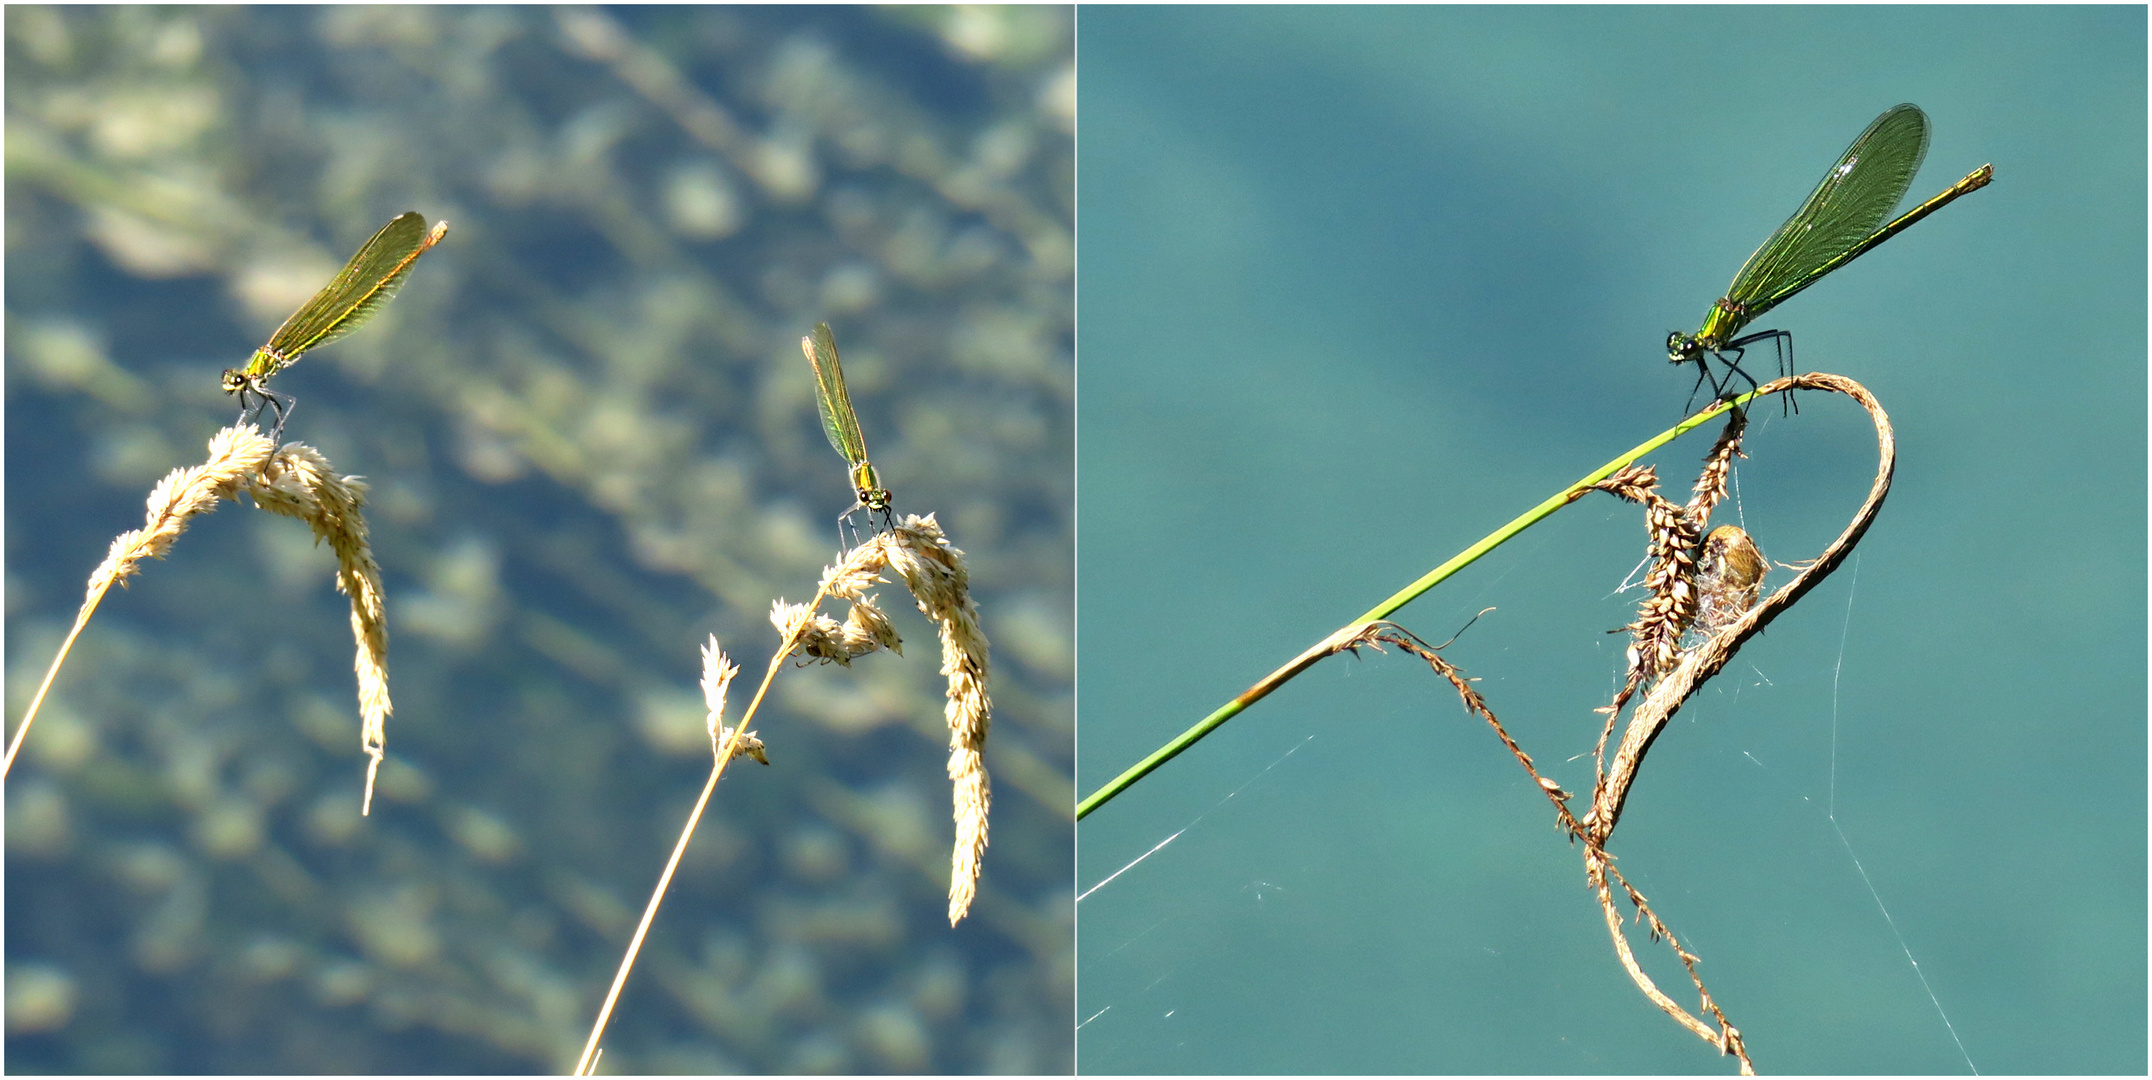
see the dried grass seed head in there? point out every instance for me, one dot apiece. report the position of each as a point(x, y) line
point(298, 482)
point(788, 617)
point(821, 638)
point(934, 571)
point(235, 454)
point(866, 628)
point(717, 672)
point(858, 571)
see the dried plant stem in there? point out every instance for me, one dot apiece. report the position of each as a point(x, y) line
point(235, 455)
point(1656, 659)
point(1388, 607)
point(1700, 663)
point(1674, 674)
point(650, 914)
point(672, 865)
point(1379, 634)
point(82, 619)
point(1599, 865)
point(934, 572)
point(724, 755)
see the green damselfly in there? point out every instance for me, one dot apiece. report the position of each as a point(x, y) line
point(1834, 227)
point(841, 424)
point(366, 283)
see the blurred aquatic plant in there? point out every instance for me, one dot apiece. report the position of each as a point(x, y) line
point(587, 441)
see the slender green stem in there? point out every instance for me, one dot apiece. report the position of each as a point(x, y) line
point(1403, 596)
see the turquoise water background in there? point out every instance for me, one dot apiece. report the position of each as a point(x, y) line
point(1359, 285)
point(591, 442)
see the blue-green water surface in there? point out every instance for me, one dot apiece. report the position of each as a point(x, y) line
point(1359, 285)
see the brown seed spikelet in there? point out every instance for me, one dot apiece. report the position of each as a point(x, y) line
point(1670, 608)
point(1670, 602)
point(298, 482)
point(934, 572)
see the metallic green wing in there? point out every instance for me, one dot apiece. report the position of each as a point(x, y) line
point(838, 420)
point(368, 281)
point(1845, 209)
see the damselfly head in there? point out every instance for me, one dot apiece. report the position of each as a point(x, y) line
point(1681, 348)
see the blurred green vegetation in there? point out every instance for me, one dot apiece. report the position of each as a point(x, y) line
point(591, 440)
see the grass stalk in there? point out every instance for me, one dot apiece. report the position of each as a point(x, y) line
point(1399, 599)
point(724, 754)
point(934, 572)
point(235, 455)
